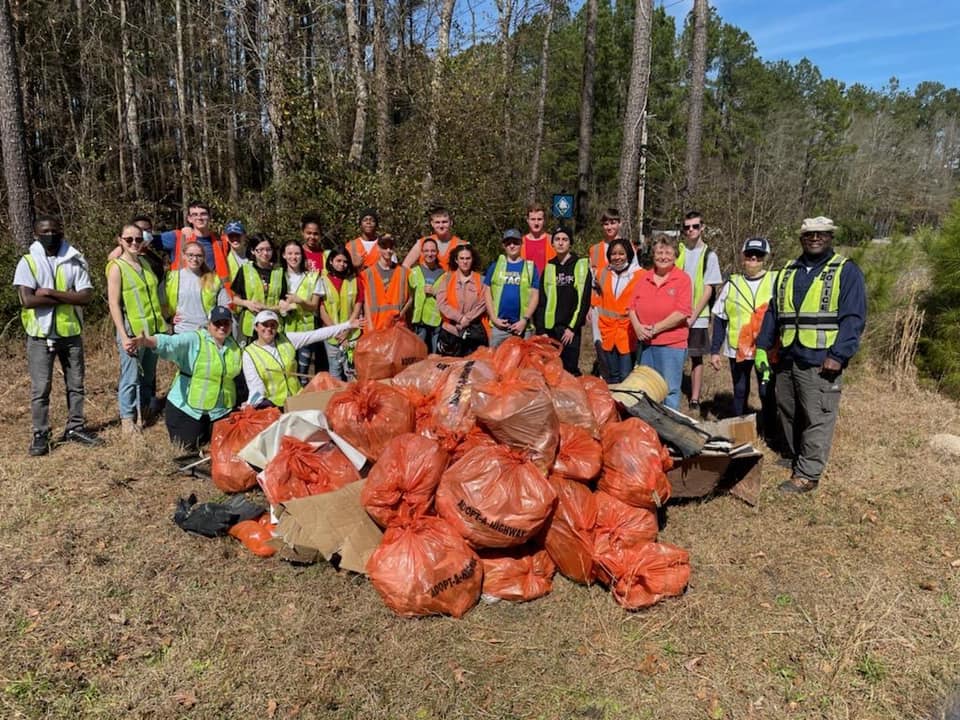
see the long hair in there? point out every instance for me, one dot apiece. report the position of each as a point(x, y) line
point(207, 276)
point(350, 272)
point(283, 251)
point(475, 262)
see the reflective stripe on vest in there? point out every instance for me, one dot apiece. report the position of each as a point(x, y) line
point(221, 254)
point(214, 373)
point(581, 270)
point(616, 332)
point(598, 257)
point(298, 318)
point(741, 303)
point(424, 306)
point(66, 319)
point(816, 322)
point(253, 287)
point(279, 376)
point(208, 295)
point(499, 279)
point(138, 293)
point(697, 277)
point(383, 303)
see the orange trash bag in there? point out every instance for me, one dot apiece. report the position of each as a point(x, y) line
point(650, 573)
point(633, 466)
point(518, 412)
point(636, 426)
point(403, 481)
point(602, 405)
point(323, 381)
point(571, 403)
point(254, 535)
point(368, 414)
point(542, 353)
point(508, 355)
point(230, 435)
point(383, 353)
point(425, 376)
point(425, 568)
point(300, 469)
point(580, 456)
point(747, 340)
point(477, 437)
point(569, 536)
point(518, 575)
point(452, 415)
point(495, 497)
point(619, 530)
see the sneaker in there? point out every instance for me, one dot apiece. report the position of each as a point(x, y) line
point(129, 426)
point(81, 436)
point(694, 405)
point(40, 444)
point(798, 485)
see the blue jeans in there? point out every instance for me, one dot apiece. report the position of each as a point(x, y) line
point(334, 360)
point(619, 365)
point(306, 355)
point(428, 334)
point(137, 380)
point(668, 362)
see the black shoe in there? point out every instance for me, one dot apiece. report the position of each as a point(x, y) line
point(694, 405)
point(81, 436)
point(40, 444)
point(785, 462)
point(798, 485)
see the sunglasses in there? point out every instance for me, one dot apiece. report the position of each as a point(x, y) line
point(132, 239)
point(512, 241)
point(754, 255)
point(694, 226)
point(223, 324)
point(270, 324)
point(816, 234)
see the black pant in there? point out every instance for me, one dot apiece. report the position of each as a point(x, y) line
point(186, 431)
point(570, 355)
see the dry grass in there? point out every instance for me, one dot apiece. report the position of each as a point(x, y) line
point(841, 605)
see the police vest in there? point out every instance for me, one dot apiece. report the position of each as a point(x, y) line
point(138, 296)
point(301, 319)
point(581, 271)
point(816, 322)
point(279, 376)
point(424, 306)
point(499, 280)
point(66, 319)
point(209, 291)
point(741, 303)
point(697, 276)
point(253, 287)
point(213, 374)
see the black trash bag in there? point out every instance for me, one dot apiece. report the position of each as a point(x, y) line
point(213, 519)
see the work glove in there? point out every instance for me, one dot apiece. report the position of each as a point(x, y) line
point(762, 364)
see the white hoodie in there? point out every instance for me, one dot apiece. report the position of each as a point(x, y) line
point(75, 267)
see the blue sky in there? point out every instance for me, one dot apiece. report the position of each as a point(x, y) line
point(865, 41)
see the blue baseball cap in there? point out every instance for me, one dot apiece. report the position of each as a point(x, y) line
point(220, 313)
point(234, 227)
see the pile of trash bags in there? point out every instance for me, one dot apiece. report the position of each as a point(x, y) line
point(488, 474)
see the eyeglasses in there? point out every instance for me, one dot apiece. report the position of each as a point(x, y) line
point(815, 234)
point(694, 226)
point(754, 256)
point(133, 239)
point(263, 250)
point(193, 256)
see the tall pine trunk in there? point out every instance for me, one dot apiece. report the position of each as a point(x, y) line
point(13, 142)
point(131, 105)
point(541, 106)
point(586, 116)
point(182, 107)
point(436, 87)
point(698, 65)
point(357, 66)
point(380, 84)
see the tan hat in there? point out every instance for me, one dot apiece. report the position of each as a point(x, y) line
point(817, 224)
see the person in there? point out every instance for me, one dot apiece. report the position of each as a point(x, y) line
point(299, 307)
point(597, 256)
point(134, 302)
point(365, 248)
point(198, 229)
point(423, 278)
point(511, 290)
point(737, 315)
point(204, 389)
point(259, 285)
point(236, 235)
point(442, 226)
point(386, 291)
point(191, 292)
point(314, 256)
point(460, 300)
point(536, 243)
point(148, 252)
point(343, 290)
point(818, 314)
point(613, 290)
point(270, 361)
point(659, 310)
point(53, 283)
point(700, 263)
point(564, 298)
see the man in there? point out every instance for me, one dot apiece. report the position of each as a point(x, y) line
point(511, 291)
point(536, 243)
point(364, 248)
point(442, 227)
point(199, 230)
point(236, 235)
point(53, 283)
point(314, 256)
point(818, 313)
point(700, 263)
point(386, 290)
point(564, 299)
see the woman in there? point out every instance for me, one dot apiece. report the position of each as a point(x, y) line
point(134, 302)
point(461, 304)
point(259, 285)
point(192, 291)
point(613, 288)
point(342, 293)
point(204, 389)
point(659, 310)
point(423, 278)
point(299, 307)
point(270, 361)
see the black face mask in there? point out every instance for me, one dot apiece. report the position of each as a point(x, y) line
point(51, 242)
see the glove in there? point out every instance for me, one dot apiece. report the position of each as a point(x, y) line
point(762, 364)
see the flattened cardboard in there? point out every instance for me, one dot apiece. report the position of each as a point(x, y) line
point(310, 400)
point(741, 430)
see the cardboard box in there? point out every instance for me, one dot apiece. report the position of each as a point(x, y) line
point(741, 430)
point(310, 400)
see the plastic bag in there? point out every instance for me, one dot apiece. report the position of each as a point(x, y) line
point(571, 404)
point(300, 469)
point(632, 468)
point(323, 381)
point(452, 414)
point(518, 412)
point(620, 529)
point(636, 427)
point(368, 414)
point(650, 573)
point(518, 575)
point(495, 498)
point(384, 353)
point(425, 568)
point(402, 483)
point(747, 340)
point(254, 535)
point(477, 437)
point(569, 536)
point(602, 405)
point(508, 355)
point(579, 457)
point(230, 435)
point(427, 375)
point(542, 354)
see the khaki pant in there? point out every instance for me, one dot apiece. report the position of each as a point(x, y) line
point(808, 404)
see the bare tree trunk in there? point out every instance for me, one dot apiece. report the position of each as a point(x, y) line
point(182, 107)
point(13, 136)
point(121, 141)
point(505, 10)
point(436, 87)
point(359, 83)
point(275, 63)
point(541, 105)
point(132, 115)
point(698, 66)
point(586, 116)
point(380, 83)
point(633, 117)
point(233, 84)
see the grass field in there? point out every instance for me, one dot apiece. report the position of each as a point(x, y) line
point(844, 604)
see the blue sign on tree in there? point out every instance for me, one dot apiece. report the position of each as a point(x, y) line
point(562, 207)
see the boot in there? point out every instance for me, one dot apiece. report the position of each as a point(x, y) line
point(129, 426)
point(40, 444)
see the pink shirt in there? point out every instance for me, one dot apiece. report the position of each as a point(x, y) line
point(653, 303)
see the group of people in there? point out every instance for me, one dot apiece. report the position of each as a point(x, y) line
point(244, 319)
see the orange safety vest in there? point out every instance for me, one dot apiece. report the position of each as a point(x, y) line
point(443, 258)
point(616, 332)
point(598, 257)
point(367, 259)
point(220, 252)
point(545, 238)
point(454, 302)
point(383, 303)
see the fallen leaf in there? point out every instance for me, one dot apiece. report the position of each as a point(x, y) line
point(759, 554)
point(871, 516)
point(650, 665)
point(271, 708)
point(119, 618)
point(33, 612)
point(955, 563)
point(691, 664)
point(928, 585)
point(185, 698)
point(765, 605)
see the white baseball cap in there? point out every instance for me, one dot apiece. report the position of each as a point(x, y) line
point(265, 315)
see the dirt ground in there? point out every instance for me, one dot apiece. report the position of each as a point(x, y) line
point(843, 604)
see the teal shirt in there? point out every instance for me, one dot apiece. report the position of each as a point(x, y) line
point(182, 350)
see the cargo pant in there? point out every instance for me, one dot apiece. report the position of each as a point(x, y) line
point(808, 404)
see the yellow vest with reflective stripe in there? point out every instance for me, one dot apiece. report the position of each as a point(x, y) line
point(581, 270)
point(139, 298)
point(208, 295)
point(499, 279)
point(339, 304)
point(740, 303)
point(213, 374)
point(816, 322)
point(253, 288)
point(298, 318)
point(66, 319)
point(279, 377)
point(697, 277)
point(424, 306)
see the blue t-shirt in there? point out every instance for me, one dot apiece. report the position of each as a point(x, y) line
point(510, 309)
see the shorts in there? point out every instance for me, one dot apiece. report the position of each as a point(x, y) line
point(698, 342)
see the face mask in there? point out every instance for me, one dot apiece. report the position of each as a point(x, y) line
point(51, 242)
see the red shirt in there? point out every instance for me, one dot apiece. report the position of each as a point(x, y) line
point(653, 303)
point(313, 259)
point(535, 249)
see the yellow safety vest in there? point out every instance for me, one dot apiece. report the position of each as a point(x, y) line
point(299, 319)
point(424, 306)
point(816, 322)
point(339, 303)
point(253, 288)
point(698, 276)
point(499, 279)
point(139, 298)
point(213, 373)
point(208, 295)
point(66, 319)
point(581, 271)
point(741, 303)
point(279, 376)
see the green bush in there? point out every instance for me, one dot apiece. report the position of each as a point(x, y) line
point(853, 233)
point(940, 345)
